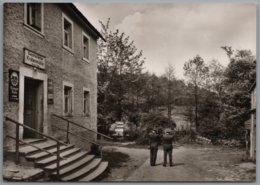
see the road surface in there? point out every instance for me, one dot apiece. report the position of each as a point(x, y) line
point(191, 163)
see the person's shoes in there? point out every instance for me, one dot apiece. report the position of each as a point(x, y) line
point(171, 164)
point(164, 165)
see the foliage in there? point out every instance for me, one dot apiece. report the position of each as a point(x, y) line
point(196, 72)
point(238, 78)
point(154, 120)
point(119, 68)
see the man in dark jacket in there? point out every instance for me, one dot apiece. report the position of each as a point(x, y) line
point(167, 146)
point(154, 143)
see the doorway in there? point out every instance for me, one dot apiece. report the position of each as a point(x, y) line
point(33, 107)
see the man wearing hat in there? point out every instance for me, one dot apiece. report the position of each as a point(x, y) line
point(154, 143)
point(167, 146)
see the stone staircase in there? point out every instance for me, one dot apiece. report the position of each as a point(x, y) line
point(75, 164)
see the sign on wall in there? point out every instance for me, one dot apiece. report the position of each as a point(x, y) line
point(13, 85)
point(50, 91)
point(34, 59)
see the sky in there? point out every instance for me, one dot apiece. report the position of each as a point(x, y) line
point(173, 33)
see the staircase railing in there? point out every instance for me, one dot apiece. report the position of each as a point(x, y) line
point(17, 142)
point(68, 132)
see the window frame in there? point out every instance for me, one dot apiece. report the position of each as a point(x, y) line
point(65, 17)
point(84, 35)
point(68, 84)
point(31, 28)
point(87, 114)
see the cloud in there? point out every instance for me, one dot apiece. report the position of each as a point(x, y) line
point(175, 33)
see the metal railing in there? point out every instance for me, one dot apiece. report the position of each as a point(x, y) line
point(18, 141)
point(78, 125)
point(68, 132)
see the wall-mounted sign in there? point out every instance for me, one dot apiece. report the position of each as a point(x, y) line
point(13, 85)
point(50, 91)
point(34, 59)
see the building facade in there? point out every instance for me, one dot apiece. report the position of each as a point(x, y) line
point(252, 151)
point(50, 67)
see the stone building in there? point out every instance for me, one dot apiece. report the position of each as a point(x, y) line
point(50, 65)
point(252, 149)
point(250, 127)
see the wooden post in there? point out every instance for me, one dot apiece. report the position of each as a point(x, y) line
point(58, 160)
point(17, 145)
point(68, 127)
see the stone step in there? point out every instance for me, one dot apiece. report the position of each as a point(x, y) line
point(67, 161)
point(83, 171)
point(53, 159)
point(98, 171)
point(27, 150)
point(33, 141)
point(76, 165)
point(40, 155)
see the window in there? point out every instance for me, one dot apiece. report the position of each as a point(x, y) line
point(85, 45)
point(68, 99)
point(86, 102)
point(34, 16)
point(67, 33)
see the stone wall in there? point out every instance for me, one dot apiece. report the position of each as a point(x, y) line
point(61, 64)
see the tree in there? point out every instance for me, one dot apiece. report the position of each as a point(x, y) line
point(169, 74)
point(239, 75)
point(119, 67)
point(196, 72)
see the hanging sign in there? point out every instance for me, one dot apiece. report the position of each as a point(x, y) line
point(13, 85)
point(34, 59)
point(50, 91)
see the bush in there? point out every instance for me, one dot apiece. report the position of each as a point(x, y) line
point(153, 120)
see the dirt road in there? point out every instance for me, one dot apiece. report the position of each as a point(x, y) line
point(191, 163)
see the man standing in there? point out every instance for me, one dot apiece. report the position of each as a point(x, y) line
point(167, 146)
point(154, 143)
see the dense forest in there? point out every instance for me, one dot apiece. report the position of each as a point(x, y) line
point(217, 98)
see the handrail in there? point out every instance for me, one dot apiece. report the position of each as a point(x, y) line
point(42, 149)
point(76, 135)
point(42, 134)
point(81, 126)
point(35, 131)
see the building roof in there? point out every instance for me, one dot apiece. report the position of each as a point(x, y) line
point(84, 19)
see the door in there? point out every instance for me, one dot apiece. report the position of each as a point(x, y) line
point(33, 103)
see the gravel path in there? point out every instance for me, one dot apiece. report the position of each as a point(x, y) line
point(191, 163)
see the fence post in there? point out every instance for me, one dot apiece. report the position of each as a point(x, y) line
point(17, 145)
point(58, 160)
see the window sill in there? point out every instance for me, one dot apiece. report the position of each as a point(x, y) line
point(38, 33)
point(68, 49)
point(85, 60)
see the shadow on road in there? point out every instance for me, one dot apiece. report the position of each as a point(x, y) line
point(178, 164)
point(174, 164)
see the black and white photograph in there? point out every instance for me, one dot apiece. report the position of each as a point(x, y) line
point(129, 92)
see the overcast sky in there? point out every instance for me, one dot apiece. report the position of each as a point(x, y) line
point(174, 33)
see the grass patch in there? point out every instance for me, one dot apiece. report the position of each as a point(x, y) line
point(115, 160)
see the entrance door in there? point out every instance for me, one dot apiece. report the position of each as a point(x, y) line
point(33, 106)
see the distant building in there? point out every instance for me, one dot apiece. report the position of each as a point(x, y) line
point(50, 66)
point(250, 126)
